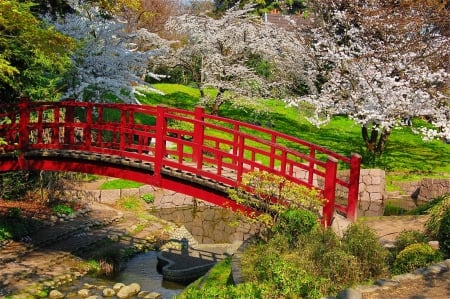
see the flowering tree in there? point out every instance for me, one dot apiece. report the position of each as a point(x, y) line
point(238, 55)
point(110, 60)
point(381, 64)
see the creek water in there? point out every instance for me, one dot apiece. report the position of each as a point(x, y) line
point(206, 224)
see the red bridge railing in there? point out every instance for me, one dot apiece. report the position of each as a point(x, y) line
point(212, 147)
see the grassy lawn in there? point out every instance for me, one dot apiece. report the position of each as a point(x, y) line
point(406, 157)
point(120, 184)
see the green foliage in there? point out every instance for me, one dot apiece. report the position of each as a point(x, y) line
point(34, 56)
point(415, 256)
point(120, 184)
point(274, 195)
point(436, 214)
point(361, 241)
point(295, 222)
point(443, 234)
point(13, 225)
point(62, 209)
point(409, 237)
point(131, 203)
point(319, 264)
point(15, 185)
point(424, 208)
point(391, 209)
point(148, 198)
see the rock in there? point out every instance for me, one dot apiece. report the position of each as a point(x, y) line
point(118, 286)
point(94, 297)
point(349, 294)
point(55, 294)
point(108, 292)
point(89, 286)
point(153, 295)
point(128, 291)
point(84, 293)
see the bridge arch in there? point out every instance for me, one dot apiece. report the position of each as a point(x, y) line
point(190, 152)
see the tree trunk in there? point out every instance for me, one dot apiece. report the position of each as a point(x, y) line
point(218, 101)
point(376, 142)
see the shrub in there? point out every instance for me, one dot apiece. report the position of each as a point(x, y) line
point(339, 267)
point(293, 223)
point(436, 213)
point(415, 256)
point(362, 242)
point(443, 235)
point(408, 237)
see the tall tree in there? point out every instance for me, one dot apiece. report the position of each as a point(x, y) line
point(238, 55)
point(381, 63)
point(111, 59)
point(33, 56)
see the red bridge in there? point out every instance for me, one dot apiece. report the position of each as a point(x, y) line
point(189, 152)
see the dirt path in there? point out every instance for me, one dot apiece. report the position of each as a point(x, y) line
point(54, 253)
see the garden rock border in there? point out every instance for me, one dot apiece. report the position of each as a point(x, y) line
point(383, 284)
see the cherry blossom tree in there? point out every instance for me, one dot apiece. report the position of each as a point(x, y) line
point(110, 60)
point(381, 63)
point(239, 56)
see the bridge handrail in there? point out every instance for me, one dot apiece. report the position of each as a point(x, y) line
point(81, 126)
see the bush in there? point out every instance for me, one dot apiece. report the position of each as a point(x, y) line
point(436, 214)
point(340, 267)
point(408, 237)
point(293, 223)
point(362, 242)
point(443, 235)
point(415, 256)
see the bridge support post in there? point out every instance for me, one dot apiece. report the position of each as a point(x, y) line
point(353, 190)
point(199, 133)
point(329, 190)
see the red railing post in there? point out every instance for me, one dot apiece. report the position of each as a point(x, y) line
point(199, 134)
point(24, 121)
point(353, 189)
point(329, 190)
point(160, 140)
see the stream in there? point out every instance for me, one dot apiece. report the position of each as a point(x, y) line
point(207, 224)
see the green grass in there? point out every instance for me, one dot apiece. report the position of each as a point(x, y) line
point(406, 154)
point(120, 184)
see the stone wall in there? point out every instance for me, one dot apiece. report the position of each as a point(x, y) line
point(424, 190)
point(372, 192)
